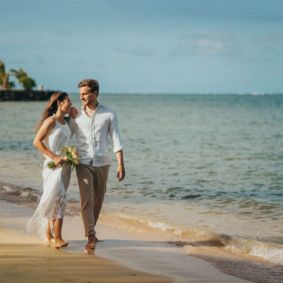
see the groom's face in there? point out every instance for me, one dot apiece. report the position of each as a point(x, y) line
point(87, 96)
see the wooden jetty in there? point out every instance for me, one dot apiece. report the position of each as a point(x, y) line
point(25, 95)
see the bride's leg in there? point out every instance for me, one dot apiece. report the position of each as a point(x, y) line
point(60, 208)
point(49, 233)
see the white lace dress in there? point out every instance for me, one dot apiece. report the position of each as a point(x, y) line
point(55, 183)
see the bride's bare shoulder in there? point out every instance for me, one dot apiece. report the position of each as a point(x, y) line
point(49, 122)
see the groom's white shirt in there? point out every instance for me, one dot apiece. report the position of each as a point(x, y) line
point(93, 133)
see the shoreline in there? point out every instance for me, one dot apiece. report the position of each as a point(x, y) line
point(128, 252)
point(255, 249)
point(28, 261)
point(123, 243)
point(25, 258)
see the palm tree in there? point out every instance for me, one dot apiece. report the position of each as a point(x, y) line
point(5, 77)
point(27, 82)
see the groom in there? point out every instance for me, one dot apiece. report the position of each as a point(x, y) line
point(93, 126)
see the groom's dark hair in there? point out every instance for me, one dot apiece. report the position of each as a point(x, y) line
point(92, 84)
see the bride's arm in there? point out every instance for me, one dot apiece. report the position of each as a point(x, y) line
point(42, 133)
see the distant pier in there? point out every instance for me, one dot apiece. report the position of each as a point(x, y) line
point(25, 95)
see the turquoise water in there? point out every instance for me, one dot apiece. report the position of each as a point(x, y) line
point(207, 162)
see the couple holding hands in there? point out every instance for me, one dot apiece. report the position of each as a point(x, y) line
point(91, 126)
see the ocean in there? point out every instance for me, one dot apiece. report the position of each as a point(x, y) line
point(197, 166)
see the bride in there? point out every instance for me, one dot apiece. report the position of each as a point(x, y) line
point(52, 134)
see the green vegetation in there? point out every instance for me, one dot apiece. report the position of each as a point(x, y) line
point(27, 82)
point(22, 77)
point(5, 82)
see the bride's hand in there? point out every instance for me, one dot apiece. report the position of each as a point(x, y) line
point(57, 160)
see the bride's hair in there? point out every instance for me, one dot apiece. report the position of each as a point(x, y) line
point(52, 106)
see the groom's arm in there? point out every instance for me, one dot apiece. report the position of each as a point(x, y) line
point(73, 114)
point(117, 146)
point(121, 167)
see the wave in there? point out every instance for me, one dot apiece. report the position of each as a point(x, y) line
point(18, 194)
point(257, 249)
point(30, 197)
point(264, 250)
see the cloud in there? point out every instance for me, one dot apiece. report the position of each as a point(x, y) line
point(209, 46)
point(200, 45)
point(254, 46)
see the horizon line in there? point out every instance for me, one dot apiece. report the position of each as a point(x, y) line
point(186, 93)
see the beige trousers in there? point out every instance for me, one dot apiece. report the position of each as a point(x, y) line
point(92, 182)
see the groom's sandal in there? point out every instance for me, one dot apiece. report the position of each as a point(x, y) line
point(60, 244)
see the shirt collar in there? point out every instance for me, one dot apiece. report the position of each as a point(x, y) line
point(97, 107)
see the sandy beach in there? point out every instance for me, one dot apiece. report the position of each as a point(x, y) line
point(25, 258)
point(122, 256)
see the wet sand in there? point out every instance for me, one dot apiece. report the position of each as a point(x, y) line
point(122, 256)
point(144, 250)
point(25, 260)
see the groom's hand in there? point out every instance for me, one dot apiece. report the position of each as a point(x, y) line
point(74, 112)
point(120, 172)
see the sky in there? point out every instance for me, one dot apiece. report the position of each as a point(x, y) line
point(147, 46)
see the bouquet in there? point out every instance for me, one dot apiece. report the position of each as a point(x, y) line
point(68, 154)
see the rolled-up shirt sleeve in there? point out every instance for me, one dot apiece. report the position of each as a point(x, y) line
point(114, 133)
